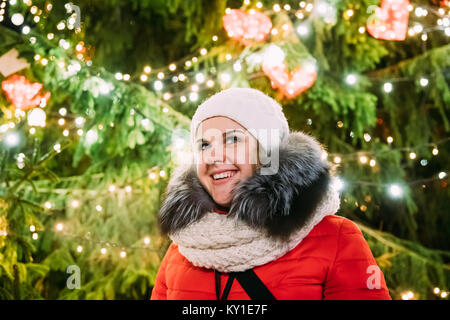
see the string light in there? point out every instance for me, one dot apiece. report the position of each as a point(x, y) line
point(395, 190)
point(338, 184)
point(387, 87)
point(75, 203)
point(435, 151)
point(351, 79)
point(408, 295)
point(11, 139)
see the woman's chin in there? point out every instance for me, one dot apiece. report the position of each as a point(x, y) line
point(224, 202)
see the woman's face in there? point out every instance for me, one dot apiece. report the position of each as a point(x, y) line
point(225, 153)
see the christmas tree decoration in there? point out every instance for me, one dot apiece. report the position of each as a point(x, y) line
point(291, 84)
point(247, 28)
point(390, 21)
point(24, 94)
point(10, 63)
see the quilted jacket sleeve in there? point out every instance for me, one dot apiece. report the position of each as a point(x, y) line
point(159, 291)
point(354, 274)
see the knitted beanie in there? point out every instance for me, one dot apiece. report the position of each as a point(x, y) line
point(261, 115)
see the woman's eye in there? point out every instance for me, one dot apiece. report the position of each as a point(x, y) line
point(203, 146)
point(233, 139)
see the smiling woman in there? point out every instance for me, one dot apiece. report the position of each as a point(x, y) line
point(257, 205)
point(226, 155)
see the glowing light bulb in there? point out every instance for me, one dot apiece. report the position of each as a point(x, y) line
point(302, 30)
point(17, 19)
point(103, 250)
point(147, 240)
point(395, 190)
point(273, 55)
point(158, 85)
point(387, 87)
point(35, 236)
point(172, 67)
point(337, 159)
point(372, 163)
point(442, 175)
point(147, 69)
point(79, 248)
point(12, 139)
point(351, 79)
point(91, 137)
point(363, 159)
point(123, 254)
point(390, 139)
point(59, 227)
point(435, 151)
point(75, 203)
point(423, 82)
point(200, 77)
point(32, 228)
point(338, 184)
point(112, 188)
point(36, 118)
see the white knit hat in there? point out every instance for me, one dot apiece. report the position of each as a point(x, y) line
point(250, 108)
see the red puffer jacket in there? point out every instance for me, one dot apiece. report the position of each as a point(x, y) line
point(332, 262)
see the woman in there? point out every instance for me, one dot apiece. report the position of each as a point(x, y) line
point(253, 216)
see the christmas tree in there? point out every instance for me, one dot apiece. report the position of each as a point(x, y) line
point(95, 108)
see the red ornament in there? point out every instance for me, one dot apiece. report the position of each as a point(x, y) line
point(22, 93)
point(390, 21)
point(247, 27)
point(293, 83)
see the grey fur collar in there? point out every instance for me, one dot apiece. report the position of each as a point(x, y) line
point(278, 204)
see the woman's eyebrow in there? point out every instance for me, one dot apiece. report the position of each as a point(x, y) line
point(233, 131)
point(203, 140)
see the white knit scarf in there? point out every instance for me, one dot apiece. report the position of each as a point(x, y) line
point(219, 242)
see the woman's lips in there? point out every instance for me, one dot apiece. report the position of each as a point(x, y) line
point(224, 180)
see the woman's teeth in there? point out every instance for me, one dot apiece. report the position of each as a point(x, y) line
point(222, 175)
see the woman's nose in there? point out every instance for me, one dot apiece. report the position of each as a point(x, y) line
point(215, 154)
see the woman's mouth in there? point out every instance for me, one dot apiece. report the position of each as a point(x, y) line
point(223, 177)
